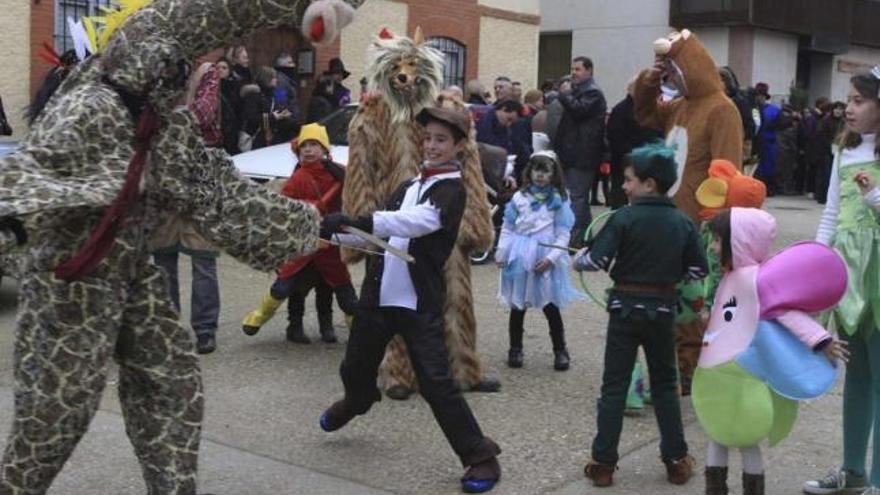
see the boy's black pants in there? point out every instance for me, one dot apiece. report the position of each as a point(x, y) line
point(423, 335)
point(626, 332)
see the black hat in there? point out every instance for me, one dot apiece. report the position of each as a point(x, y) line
point(459, 120)
point(335, 66)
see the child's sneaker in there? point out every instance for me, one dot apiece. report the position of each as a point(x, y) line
point(838, 482)
point(601, 474)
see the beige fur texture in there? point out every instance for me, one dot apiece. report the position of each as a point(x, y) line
point(385, 151)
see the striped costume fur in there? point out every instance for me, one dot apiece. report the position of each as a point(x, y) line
point(385, 150)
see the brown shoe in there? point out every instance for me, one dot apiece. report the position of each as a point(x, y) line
point(679, 471)
point(601, 474)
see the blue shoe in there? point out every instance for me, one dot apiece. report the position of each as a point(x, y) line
point(477, 486)
point(325, 422)
point(335, 417)
point(482, 476)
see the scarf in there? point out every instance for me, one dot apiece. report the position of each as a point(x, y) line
point(427, 171)
point(544, 195)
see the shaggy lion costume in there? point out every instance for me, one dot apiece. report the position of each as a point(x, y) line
point(385, 150)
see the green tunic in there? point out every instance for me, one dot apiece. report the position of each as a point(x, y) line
point(858, 242)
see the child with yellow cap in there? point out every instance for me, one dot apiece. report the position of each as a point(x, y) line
point(316, 180)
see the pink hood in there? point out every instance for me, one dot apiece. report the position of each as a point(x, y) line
point(752, 232)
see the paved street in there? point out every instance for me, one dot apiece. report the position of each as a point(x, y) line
point(264, 397)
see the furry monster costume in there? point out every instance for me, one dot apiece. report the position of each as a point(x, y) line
point(385, 150)
point(704, 121)
point(705, 125)
point(86, 152)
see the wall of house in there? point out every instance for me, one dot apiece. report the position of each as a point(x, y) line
point(14, 78)
point(843, 67)
point(508, 48)
point(618, 36)
point(532, 7)
point(356, 38)
point(775, 61)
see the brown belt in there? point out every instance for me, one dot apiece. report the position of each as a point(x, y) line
point(650, 288)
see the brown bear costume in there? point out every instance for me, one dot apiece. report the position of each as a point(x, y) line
point(706, 126)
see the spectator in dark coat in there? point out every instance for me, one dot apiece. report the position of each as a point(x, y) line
point(241, 64)
point(812, 153)
point(624, 135)
point(745, 107)
point(341, 94)
point(579, 141)
point(230, 104)
point(504, 128)
point(322, 102)
point(287, 97)
point(830, 127)
point(258, 114)
point(787, 129)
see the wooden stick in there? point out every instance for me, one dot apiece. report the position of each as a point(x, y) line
point(564, 248)
point(354, 248)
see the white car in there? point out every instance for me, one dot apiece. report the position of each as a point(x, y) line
point(278, 161)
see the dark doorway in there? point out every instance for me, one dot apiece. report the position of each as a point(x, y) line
point(554, 56)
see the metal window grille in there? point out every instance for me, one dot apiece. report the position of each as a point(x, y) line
point(454, 55)
point(75, 9)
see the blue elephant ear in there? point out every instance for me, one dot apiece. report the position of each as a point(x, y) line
point(789, 367)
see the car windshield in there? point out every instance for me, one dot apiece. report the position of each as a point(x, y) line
point(337, 124)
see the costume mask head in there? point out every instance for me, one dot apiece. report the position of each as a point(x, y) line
point(406, 71)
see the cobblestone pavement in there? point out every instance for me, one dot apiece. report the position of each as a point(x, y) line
point(264, 396)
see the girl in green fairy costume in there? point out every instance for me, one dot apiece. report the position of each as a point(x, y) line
point(851, 224)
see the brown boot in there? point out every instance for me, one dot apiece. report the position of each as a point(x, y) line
point(716, 480)
point(601, 474)
point(753, 484)
point(679, 471)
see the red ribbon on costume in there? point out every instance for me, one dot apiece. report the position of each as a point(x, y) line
point(429, 172)
point(101, 240)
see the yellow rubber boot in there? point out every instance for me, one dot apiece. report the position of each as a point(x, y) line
point(264, 312)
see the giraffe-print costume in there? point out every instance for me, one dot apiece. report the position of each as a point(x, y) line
point(382, 154)
point(67, 171)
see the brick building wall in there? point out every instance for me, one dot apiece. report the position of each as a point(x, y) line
point(42, 30)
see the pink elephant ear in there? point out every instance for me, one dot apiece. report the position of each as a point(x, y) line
point(806, 276)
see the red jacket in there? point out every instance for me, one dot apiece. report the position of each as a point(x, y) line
point(314, 183)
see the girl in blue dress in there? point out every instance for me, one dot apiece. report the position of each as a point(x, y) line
point(534, 275)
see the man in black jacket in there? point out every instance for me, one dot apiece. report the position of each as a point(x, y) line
point(579, 141)
point(624, 134)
